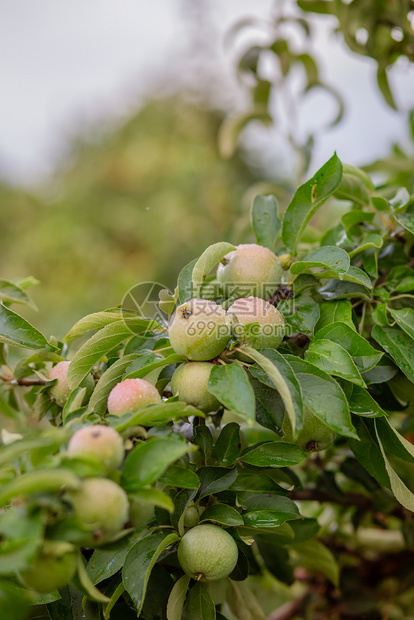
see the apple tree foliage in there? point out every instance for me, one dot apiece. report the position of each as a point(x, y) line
point(335, 525)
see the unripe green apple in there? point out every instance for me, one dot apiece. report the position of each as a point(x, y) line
point(101, 505)
point(130, 395)
point(101, 443)
point(266, 325)
point(189, 383)
point(191, 516)
point(199, 330)
point(207, 553)
point(60, 391)
point(313, 437)
point(250, 269)
point(53, 567)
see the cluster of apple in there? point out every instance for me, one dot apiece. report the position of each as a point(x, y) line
point(99, 504)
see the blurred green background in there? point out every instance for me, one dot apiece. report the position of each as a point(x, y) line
point(133, 204)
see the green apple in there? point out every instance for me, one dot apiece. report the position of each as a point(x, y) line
point(207, 553)
point(199, 330)
point(60, 391)
point(257, 322)
point(189, 382)
point(53, 567)
point(250, 270)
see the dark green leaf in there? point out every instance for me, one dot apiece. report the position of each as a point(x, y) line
point(282, 377)
point(399, 345)
point(323, 396)
point(228, 446)
point(274, 454)
point(404, 319)
point(204, 439)
point(215, 479)
point(199, 604)
point(335, 312)
point(222, 514)
point(362, 403)
point(149, 460)
point(180, 477)
point(230, 385)
point(305, 315)
point(365, 356)
point(139, 563)
point(333, 359)
point(177, 598)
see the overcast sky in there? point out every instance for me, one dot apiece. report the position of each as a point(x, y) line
point(64, 64)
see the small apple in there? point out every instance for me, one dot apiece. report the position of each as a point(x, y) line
point(199, 330)
point(189, 382)
point(130, 395)
point(101, 443)
point(60, 391)
point(250, 270)
point(257, 322)
point(207, 553)
point(53, 567)
point(101, 505)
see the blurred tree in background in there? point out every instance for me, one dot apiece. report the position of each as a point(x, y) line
point(135, 203)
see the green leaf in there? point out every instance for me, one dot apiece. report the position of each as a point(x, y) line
point(305, 316)
point(338, 289)
point(257, 482)
point(314, 556)
point(227, 447)
point(104, 563)
point(307, 200)
point(393, 442)
point(222, 514)
point(107, 381)
point(368, 453)
point(384, 85)
point(325, 257)
point(16, 331)
point(181, 501)
point(177, 598)
point(364, 355)
point(323, 396)
point(243, 602)
point(83, 583)
point(209, 259)
point(199, 604)
point(14, 601)
point(229, 383)
point(215, 479)
point(154, 497)
point(362, 403)
point(185, 282)
point(149, 460)
point(179, 477)
point(273, 454)
point(333, 359)
point(22, 536)
point(139, 563)
point(406, 218)
point(399, 345)
point(97, 320)
point(404, 318)
point(268, 510)
point(265, 220)
point(138, 370)
point(339, 311)
point(283, 379)
point(39, 480)
point(94, 349)
point(371, 240)
point(402, 493)
point(13, 293)
point(270, 410)
point(204, 439)
point(355, 185)
point(155, 415)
